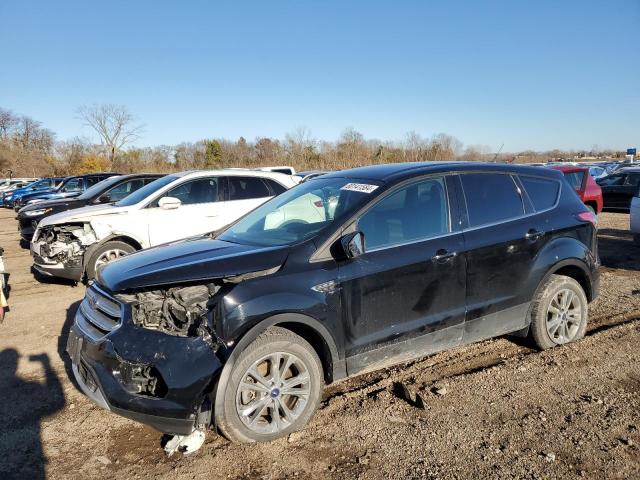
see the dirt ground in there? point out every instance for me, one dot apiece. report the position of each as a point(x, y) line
point(496, 409)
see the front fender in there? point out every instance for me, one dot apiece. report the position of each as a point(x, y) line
point(338, 365)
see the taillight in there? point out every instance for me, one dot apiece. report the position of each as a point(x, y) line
point(588, 216)
point(318, 203)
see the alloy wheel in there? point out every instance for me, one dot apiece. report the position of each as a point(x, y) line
point(273, 393)
point(108, 256)
point(564, 315)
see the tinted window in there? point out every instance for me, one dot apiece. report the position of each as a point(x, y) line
point(542, 192)
point(276, 188)
point(612, 180)
point(147, 190)
point(119, 192)
point(633, 179)
point(415, 212)
point(93, 180)
point(73, 185)
point(243, 188)
point(202, 190)
point(575, 179)
point(491, 197)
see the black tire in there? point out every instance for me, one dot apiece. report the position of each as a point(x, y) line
point(636, 240)
point(107, 246)
point(274, 340)
point(543, 320)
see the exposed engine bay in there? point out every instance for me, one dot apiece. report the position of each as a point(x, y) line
point(179, 311)
point(64, 243)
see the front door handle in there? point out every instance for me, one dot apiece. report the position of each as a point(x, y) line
point(533, 234)
point(442, 256)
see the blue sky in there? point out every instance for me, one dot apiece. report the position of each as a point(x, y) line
point(529, 74)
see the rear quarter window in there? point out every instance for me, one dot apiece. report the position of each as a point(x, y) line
point(491, 198)
point(575, 179)
point(543, 192)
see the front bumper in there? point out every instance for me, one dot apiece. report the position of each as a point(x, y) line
point(59, 270)
point(72, 269)
point(187, 367)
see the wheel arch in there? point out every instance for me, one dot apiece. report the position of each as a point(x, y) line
point(575, 269)
point(306, 327)
point(113, 237)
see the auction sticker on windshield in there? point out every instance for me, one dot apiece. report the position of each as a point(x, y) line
point(359, 187)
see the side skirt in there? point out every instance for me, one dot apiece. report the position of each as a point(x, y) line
point(494, 325)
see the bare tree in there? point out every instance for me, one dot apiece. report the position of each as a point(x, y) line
point(7, 121)
point(113, 124)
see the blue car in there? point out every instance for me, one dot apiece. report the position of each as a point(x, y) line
point(7, 198)
point(69, 187)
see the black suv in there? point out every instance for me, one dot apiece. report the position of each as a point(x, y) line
point(110, 190)
point(347, 272)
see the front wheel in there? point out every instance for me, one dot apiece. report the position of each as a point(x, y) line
point(274, 388)
point(559, 313)
point(106, 253)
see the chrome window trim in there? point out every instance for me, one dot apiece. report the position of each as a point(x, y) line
point(393, 191)
point(526, 215)
point(410, 242)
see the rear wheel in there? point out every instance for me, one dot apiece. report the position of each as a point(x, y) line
point(559, 313)
point(274, 388)
point(107, 253)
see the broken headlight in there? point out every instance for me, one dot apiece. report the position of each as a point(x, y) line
point(176, 311)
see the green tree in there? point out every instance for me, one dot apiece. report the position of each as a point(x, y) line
point(212, 154)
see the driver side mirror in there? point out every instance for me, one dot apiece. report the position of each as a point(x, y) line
point(169, 203)
point(352, 244)
point(106, 198)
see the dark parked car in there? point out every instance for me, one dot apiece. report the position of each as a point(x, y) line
point(110, 190)
point(69, 187)
point(8, 198)
point(619, 188)
point(242, 329)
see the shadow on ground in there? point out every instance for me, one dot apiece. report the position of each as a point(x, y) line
point(62, 341)
point(23, 406)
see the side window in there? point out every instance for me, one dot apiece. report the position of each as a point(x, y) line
point(243, 188)
point(491, 197)
point(117, 193)
point(633, 179)
point(575, 179)
point(417, 211)
point(90, 181)
point(612, 180)
point(73, 185)
point(542, 191)
point(202, 190)
point(147, 181)
point(275, 187)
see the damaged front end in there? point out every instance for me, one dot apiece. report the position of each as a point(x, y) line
point(58, 250)
point(151, 356)
point(179, 311)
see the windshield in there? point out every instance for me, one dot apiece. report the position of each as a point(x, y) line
point(139, 195)
point(300, 213)
point(99, 188)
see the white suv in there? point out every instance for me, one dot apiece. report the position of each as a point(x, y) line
point(76, 242)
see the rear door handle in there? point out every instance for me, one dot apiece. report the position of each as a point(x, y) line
point(442, 256)
point(533, 234)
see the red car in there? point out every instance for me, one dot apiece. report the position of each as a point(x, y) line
point(586, 187)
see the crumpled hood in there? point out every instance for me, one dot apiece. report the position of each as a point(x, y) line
point(84, 214)
point(194, 259)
